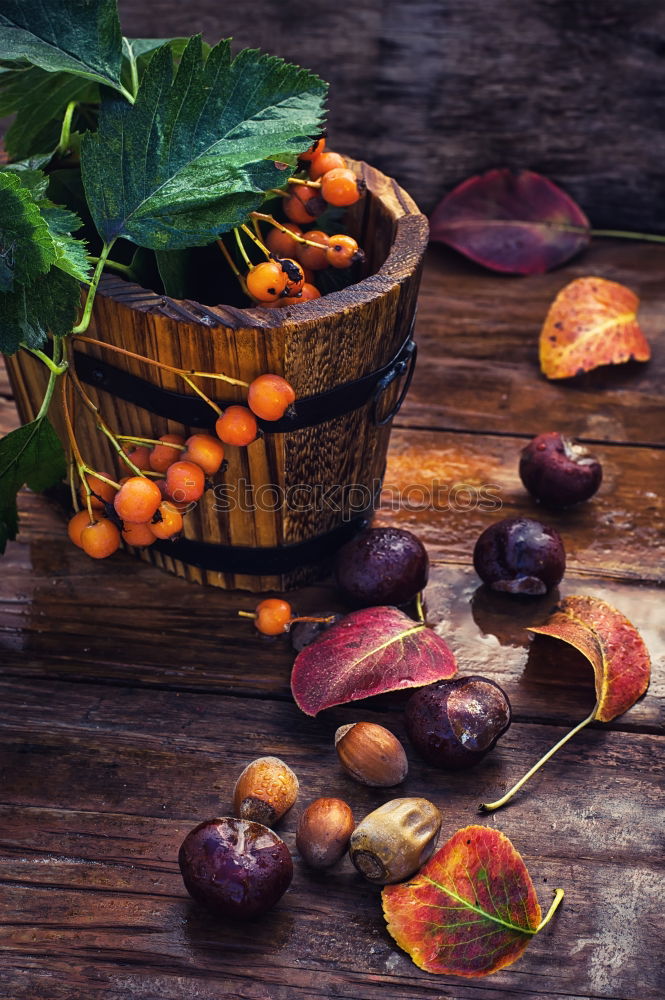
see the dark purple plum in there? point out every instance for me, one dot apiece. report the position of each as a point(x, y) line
point(235, 867)
point(558, 472)
point(519, 555)
point(453, 724)
point(381, 566)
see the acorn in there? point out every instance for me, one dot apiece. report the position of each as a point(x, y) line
point(371, 754)
point(395, 840)
point(265, 791)
point(323, 832)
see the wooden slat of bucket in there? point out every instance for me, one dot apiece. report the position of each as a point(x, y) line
point(316, 346)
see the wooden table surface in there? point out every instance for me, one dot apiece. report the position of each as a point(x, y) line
point(130, 701)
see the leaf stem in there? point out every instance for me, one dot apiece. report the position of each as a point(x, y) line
point(126, 94)
point(624, 235)
point(65, 131)
point(419, 607)
point(114, 264)
point(558, 896)
point(55, 369)
point(491, 806)
point(54, 374)
point(84, 322)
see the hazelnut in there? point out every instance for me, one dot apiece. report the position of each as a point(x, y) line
point(323, 832)
point(265, 790)
point(395, 840)
point(371, 754)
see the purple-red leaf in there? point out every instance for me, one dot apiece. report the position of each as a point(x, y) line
point(368, 652)
point(513, 221)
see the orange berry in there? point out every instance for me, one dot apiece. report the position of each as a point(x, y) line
point(237, 425)
point(312, 257)
point(323, 162)
point(307, 292)
point(314, 150)
point(295, 276)
point(269, 396)
point(206, 450)
point(273, 616)
point(75, 526)
point(340, 187)
point(280, 243)
point(266, 281)
point(139, 455)
point(102, 489)
point(137, 500)
point(100, 539)
point(170, 524)
point(343, 251)
point(162, 455)
point(302, 204)
point(185, 481)
point(138, 535)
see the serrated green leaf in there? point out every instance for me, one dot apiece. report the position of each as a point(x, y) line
point(39, 99)
point(31, 455)
point(194, 155)
point(27, 249)
point(27, 313)
point(78, 36)
point(71, 254)
point(35, 181)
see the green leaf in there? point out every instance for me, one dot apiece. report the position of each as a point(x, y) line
point(194, 155)
point(52, 303)
point(27, 249)
point(35, 181)
point(39, 99)
point(31, 455)
point(78, 36)
point(71, 254)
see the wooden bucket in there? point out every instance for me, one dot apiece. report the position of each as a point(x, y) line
point(289, 500)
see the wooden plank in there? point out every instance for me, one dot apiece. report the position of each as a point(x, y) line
point(91, 887)
point(64, 615)
point(478, 336)
point(432, 94)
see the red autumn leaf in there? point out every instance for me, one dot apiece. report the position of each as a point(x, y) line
point(615, 650)
point(472, 909)
point(513, 221)
point(611, 644)
point(368, 652)
point(591, 322)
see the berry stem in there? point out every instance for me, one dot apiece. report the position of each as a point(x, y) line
point(230, 261)
point(264, 250)
point(305, 183)
point(284, 229)
point(71, 465)
point(101, 423)
point(199, 392)
point(241, 248)
point(80, 464)
point(141, 440)
point(310, 618)
point(419, 607)
point(491, 806)
point(247, 614)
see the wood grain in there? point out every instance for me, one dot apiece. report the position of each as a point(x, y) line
point(130, 700)
point(432, 93)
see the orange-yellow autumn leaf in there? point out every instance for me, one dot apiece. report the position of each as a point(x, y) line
point(591, 322)
point(472, 909)
point(611, 644)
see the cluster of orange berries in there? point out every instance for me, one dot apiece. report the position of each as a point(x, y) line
point(140, 509)
point(297, 253)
